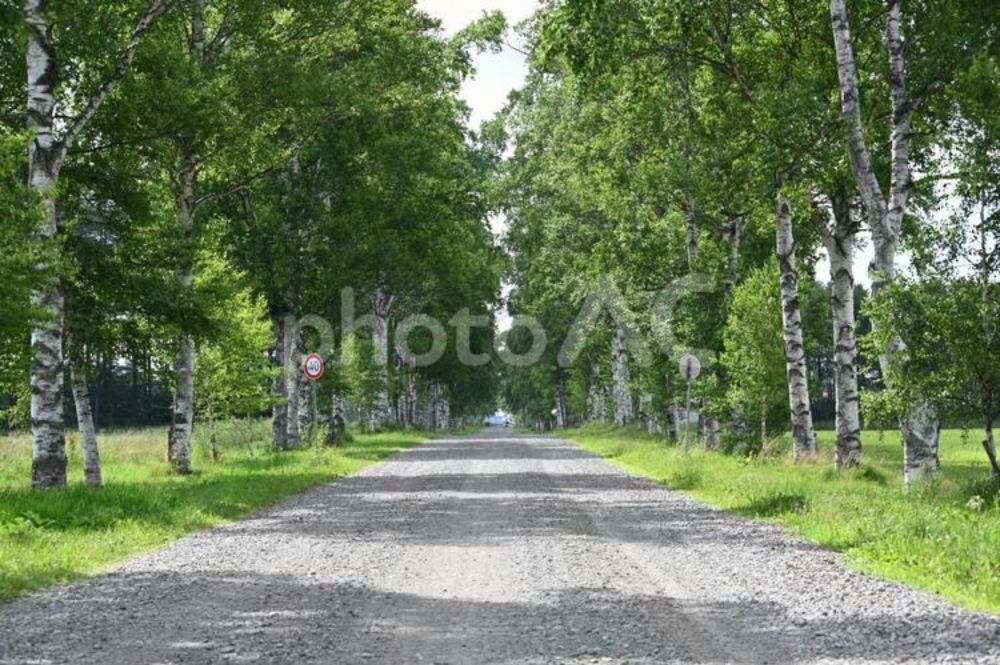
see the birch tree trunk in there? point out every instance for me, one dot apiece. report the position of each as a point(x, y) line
point(179, 439)
point(561, 402)
point(85, 424)
point(675, 421)
point(279, 395)
point(305, 404)
point(919, 427)
point(291, 377)
point(45, 153)
point(337, 423)
point(382, 411)
point(620, 378)
point(690, 219)
point(411, 392)
point(990, 446)
point(803, 434)
point(597, 407)
point(840, 247)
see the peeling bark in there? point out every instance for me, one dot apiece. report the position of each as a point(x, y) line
point(85, 425)
point(48, 465)
point(621, 390)
point(803, 434)
point(839, 242)
point(919, 427)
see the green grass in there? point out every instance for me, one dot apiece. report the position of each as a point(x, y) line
point(943, 536)
point(53, 537)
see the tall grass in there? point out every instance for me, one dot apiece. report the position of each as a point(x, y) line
point(943, 536)
point(52, 537)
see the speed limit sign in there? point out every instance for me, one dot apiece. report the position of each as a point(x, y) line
point(313, 367)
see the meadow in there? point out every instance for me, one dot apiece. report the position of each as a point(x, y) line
point(51, 537)
point(943, 536)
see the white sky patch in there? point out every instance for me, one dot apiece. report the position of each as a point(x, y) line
point(497, 74)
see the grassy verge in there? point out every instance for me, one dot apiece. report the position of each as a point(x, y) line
point(54, 537)
point(943, 537)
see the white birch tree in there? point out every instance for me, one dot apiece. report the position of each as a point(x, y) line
point(920, 425)
point(803, 433)
point(49, 145)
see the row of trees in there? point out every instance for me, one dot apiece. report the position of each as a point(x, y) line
point(200, 175)
point(717, 149)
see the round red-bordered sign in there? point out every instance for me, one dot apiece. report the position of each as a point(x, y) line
point(313, 367)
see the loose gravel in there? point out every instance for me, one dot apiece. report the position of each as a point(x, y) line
point(491, 549)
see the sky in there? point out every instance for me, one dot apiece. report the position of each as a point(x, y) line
point(496, 73)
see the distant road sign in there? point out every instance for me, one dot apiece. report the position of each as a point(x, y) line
point(314, 367)
point(690, 367)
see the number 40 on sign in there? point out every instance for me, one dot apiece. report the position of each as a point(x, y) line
point(313, 367)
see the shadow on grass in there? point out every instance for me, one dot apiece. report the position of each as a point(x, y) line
point(774, 504)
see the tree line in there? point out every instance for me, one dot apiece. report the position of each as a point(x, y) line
point(184, 180)
point(738, 142)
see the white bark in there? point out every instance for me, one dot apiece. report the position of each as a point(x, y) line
point(411, 394)
point(179, 439)
point(990, 446)
point(337, 422)
point(649, 420)
point(561, 402)
point(382, 410)
point(85, 425)
point(279, 395)
point(46, 154)
point(305, 410)
point(675, 421)
point(48, 466)
point(293, 360)
point(620, 379)
point(181, 426)
point(690, 218)
point(596, 403)
point(919, 427)
point(839, 242)
point(803, 434)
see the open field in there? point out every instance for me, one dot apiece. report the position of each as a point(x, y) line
point(943, 536)
point(54, 537)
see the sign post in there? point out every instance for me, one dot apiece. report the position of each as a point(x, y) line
point(313, 366)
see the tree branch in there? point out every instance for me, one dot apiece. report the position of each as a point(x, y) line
point(154, 10)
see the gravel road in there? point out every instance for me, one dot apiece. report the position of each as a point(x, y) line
point(491, 549)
